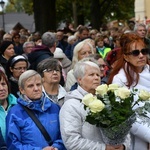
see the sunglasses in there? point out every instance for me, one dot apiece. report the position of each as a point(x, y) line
point(144, 51)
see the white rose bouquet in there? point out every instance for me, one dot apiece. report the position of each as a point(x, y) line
point(111, 109)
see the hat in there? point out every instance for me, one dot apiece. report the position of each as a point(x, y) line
point(4, 45)
point(16, 59)
point(59, 53)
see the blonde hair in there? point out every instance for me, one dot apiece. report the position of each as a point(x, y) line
point(78, 48)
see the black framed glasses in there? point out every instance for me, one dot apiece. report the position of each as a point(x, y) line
point(136, 52)
point(51, 70)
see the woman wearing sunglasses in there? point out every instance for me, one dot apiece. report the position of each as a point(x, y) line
point(133, 71)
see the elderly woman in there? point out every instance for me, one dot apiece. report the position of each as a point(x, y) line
point(51, 70)
point(78, 134)
point(133, 71)
point(16, 65)
point(81, 50)
point(7, 100)
point(22, 132)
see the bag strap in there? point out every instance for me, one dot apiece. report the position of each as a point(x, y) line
point(39, 125)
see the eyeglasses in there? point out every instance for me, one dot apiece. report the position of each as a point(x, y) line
point(51, 70)
point(20, 68)
point(137, 52)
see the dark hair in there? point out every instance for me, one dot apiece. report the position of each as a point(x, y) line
point(131, 72)
point(82, 28)
point(112, 56)
point(49, 63)
point(101, 38)
point(3, 76)
point(12, 61)
point(4, 45)
point(16, 34)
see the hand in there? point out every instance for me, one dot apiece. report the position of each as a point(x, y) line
point(117, 147)
point(49, 148)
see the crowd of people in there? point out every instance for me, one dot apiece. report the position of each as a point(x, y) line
point(43, 79)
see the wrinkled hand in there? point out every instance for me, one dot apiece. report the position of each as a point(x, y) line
point(50, 148)
point(117, 147)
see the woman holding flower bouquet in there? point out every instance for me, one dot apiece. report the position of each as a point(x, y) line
point(77, 133)
point(133, 71)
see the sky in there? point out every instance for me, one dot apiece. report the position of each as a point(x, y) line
point(5, 4)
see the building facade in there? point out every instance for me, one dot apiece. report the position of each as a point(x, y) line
point(142, 11)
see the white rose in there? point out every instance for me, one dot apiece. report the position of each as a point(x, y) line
point(96, 106)
point(122, 92)
point(102, 89)
point(88, 98)
point(144, 95)
point(112, 87)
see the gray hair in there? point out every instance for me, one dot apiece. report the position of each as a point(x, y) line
point(79, 68)
point(48, 39)
point(70, 38)
point(25, 76)
point(139, 25)
point(26, 43)
point(49, 63)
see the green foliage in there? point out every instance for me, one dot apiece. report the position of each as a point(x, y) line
point(123, 10)
point(115, 106)
point(20, 6)
point(114, 113)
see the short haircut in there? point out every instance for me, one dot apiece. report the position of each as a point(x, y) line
point(139, 25)
point(25, 76)
point(48, 39)
point(26, 43)
point(83, 28)
point(49, 63)
point(79, 68)
point(12, 61)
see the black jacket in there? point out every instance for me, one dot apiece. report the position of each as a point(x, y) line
point(38, 54)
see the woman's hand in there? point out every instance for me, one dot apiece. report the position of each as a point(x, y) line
point(117, 147)
point(50, 148)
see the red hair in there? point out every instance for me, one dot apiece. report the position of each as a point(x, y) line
point(4, 77)
point(131, 72)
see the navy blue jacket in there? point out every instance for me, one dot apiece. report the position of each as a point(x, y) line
point(38, 54)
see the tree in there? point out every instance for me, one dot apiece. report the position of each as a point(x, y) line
point(44, 15)
point(49, 13)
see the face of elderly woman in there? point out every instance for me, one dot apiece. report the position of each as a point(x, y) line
point(32, 88)
point(3, 89)
point(51, 76)
point(91, 79)
point(84, 52)
point(137, 56)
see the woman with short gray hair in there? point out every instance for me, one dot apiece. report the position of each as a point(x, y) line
point(21, 129)
point(77, 134)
